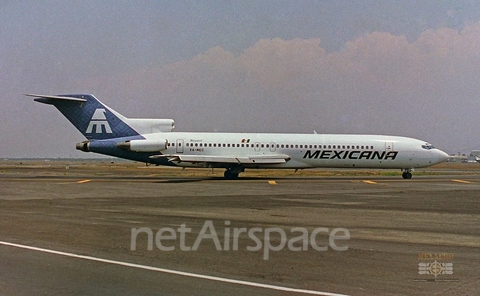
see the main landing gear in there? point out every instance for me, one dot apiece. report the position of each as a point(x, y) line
point(232, 173)
point(229, 175)
point(407, 174)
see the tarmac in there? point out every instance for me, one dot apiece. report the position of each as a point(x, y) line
point(119, 228)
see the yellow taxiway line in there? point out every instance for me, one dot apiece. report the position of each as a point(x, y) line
point(83, 181)
point(461, 181)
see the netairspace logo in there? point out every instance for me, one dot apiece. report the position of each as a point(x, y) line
point(268, 239)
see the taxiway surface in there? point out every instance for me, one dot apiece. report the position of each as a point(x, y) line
point(394, 225)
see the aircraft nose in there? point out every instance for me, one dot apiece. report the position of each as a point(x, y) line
point(440, 156)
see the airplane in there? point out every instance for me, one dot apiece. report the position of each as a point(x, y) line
point(152, 141)
point(474, 156)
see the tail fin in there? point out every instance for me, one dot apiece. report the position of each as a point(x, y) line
point(91, 117)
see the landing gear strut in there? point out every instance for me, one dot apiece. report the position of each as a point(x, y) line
point(407, 174)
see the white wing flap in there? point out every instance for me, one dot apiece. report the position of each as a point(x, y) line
point(261, 159)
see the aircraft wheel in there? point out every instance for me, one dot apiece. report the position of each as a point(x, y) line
point(407, 175)
point(229, 175)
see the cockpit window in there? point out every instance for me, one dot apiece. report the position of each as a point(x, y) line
point(427, 146)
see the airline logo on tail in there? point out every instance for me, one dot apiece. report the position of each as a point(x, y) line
point(98, 121)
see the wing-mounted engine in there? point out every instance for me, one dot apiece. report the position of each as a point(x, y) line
point(144, 145)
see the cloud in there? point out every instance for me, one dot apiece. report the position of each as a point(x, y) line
point(379, 83)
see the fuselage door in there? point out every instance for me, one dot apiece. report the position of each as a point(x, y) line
point(179, 146)
point(273, 147)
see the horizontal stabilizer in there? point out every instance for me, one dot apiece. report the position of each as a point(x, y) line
point(62, 98)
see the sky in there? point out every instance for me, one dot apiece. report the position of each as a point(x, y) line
point(406, 68)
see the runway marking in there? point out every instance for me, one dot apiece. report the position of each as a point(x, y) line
point(175, 272)
point(369, 182)
point(461, 181)
point(272, 182)
point(74, 182)
point(84, 181)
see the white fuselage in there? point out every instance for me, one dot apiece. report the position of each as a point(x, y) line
point(306, 150)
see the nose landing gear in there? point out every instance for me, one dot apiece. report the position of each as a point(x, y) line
point(407, 174)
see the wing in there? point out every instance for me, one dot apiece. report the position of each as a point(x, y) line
point(260, 159)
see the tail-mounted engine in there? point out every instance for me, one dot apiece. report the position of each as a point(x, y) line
point(83, 146)
point(144, 145)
